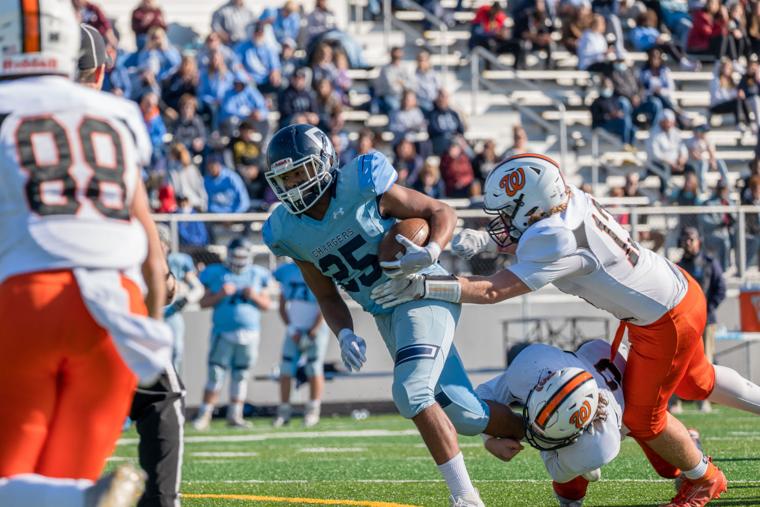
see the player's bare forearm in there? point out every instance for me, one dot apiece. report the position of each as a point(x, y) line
point(333, 308)
point(336, 313)
point(503, 422)
point(401, 202)
point(282, 310)
point(260, 299)
point(154, 268)
point(211, 299)
point(498, 287)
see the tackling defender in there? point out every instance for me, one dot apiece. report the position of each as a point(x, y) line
point(330, 223)
point(561, 235)
point(573, 411)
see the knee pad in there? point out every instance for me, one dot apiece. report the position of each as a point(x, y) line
point(288, 366)
point(314, 368)
point(411, 396)
point(238, 384)
point(216, 375)
point(646, 424)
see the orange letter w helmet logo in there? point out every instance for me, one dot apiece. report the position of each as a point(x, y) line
point(513, 181)
point(581, 416)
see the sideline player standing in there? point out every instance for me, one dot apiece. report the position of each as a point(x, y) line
point(75, 230)
point(237, 290)
point(330, 223)
point(561, 235)
point(306, 336)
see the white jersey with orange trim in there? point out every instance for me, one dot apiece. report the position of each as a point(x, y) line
point(583, 251)
point(601, 443)
point(70, 161)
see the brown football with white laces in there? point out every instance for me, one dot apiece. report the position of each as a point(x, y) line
point(415, 230)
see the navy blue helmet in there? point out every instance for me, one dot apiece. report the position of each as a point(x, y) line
point(301, 164)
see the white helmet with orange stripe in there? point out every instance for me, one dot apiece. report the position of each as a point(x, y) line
point(38, 37)
point(517, 189)
point(560, 408)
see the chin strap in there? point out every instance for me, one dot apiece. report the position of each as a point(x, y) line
point(444, 288)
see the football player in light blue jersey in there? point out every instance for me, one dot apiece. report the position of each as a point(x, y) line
point(188, 290)
point(237, 290)
point(305, 341)
point(330, 223)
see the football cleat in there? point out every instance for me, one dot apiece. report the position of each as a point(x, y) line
point(121, 488)
point(311, 414)
point(240, 423)
point(283, 416)
point(202, 422)
point(565, 502)
point(701, 491)
point(467, 500)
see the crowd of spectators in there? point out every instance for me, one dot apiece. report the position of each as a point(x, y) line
point(208, 105)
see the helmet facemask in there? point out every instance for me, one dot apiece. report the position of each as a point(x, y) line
point(300, 184)
point(560, 408)
point(238, 259)
point(536, 437)
point(502, 229)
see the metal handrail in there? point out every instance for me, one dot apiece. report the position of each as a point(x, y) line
point(475, 78)
point(432, 18)
point(634, 211)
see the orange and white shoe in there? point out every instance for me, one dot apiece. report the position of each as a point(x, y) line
point(701, 491)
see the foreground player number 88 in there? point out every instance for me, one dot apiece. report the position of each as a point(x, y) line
point(58, 172)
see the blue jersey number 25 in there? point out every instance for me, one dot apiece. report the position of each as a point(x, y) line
point(335, 267)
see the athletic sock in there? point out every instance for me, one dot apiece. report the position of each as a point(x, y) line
point(698, 471)
point(235, 410)
point(455, 474)
point(284, 410)
point(313, 406)
point(205, 410)
point(733, 390)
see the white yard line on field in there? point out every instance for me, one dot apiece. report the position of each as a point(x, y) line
point(259, 437)
point(412, 481)
point(319, 450)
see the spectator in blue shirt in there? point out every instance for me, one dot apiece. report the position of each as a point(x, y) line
point(117, 80)
point(244, 102)
point(213, 44)
point(225, 189)
point(192, 234)
point(216, 80)
point(287, 25)
point(260, 60)
point(158, 55)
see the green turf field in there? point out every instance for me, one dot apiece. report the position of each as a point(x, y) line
point(381, 462)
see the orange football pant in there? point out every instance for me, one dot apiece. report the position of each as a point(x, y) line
point(666, 357)
point(64, 389)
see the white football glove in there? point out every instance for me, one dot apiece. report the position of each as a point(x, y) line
point(399, 290)
point(470, 243)
point(352, 349)
point(414, 259)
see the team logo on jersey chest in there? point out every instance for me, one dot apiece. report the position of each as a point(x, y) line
point(513, 181)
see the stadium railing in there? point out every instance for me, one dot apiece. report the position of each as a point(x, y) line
point(667, 220)
point(477, 54)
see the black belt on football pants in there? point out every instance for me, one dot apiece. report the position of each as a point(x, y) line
point(158, 411)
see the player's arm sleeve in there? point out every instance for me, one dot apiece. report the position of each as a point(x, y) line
point(546, 255)
point(589, 452)
point(274, 242)
point(376, 174)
